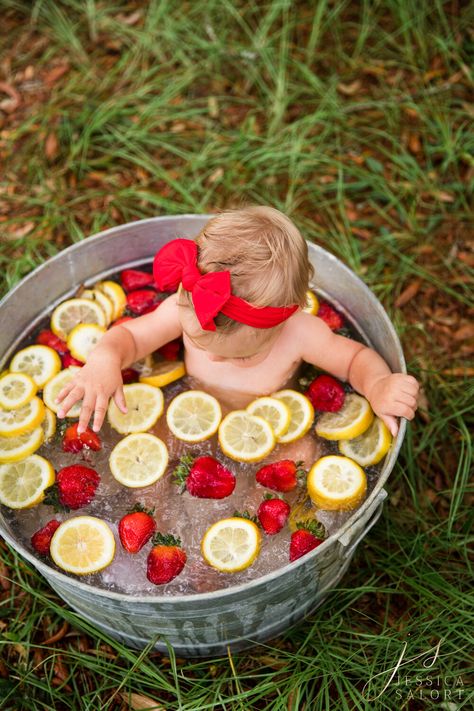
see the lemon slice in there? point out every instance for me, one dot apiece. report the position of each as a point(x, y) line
point(83, 338)
point(336, 483)
point(16, 389)
point(22, 484)
point(24, 419)
point(245, 437)
point(164, 374)
point(14, 449)
point(193, 416)
point(312, 303)
point(116, 295)
point(82, 545)
point(302, 414)
point(274, 411)
point(144, 406)
point(231, 544)
point(72, 312)
point(49, 424)
point(354, 417)
point(139, 460)
point(369, 447)
point(104, 302)
point(40, 362)
point(55, 385)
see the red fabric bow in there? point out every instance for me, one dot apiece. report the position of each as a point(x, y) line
point(176, 263)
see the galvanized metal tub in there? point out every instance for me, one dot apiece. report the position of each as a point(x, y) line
point(202, 624)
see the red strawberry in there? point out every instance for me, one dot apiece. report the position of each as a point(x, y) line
point(272, 514)
point(67, 360)
point(280, 476)
point(136, 528)
point(75, 442)
point(165, 560)
point(170, 351)
point(120, 320)
point(326, 393)
point(330, 316)
point(75, 487)
point(133, 279)
point(41, 540)
point(204, 477)
point(139, 301)
point(307, 537)
point(129, 375)
point(48, 338)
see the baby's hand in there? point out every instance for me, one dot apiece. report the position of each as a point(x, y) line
point(394, 395)
point(95, 383)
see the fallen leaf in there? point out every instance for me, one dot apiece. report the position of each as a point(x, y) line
point(361, 232)
point(11, 104)
point(137, 702)
point(349, 89)
point(51, 146)
point(132, 19)
point(414, 143)
point(442, 196)
point(459, 372)
point(215, 176)
point(464, 333)
point(56, 73)
point(408, 293)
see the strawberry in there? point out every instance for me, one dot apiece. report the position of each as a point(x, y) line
point(170, 351)
point(48, 338)
point(165, 560)
point(272, 514)
point(330, 316)
point(129, 375)
point(75, 487)
point(139, 301)
point(280, 476)
point(305, 538)
point(41, 540)
point(326, 393)
point(133, 279)
point(75, 442)
point(120, 320)
point(204, 477)
point(136, 528)
point(67, 359)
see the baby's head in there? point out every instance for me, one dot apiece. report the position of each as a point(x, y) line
point(269, 266)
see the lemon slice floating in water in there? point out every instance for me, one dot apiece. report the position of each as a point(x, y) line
point(22, 484)
point(231, 544)
point(16, 389)
point(144, 406)
point(369, 447)
point(54, 387)
point(274, 411)
point(72, 312)
point(82, 545)
point(193, 416)
point(83, 338)
point(116, 294)
point(302, 414)
point(138, 460)
point(245, 437)
point(164, 373)
point(14, 449)
point(104, 302)
point(354, 417)
point(336, 483)
point(312, 303)
point(24, 419)
point(40, 362)
point(49, 424)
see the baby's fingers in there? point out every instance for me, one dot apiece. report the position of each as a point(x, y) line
point(99, 412)
point(65, 391)
point(119, 398)
point(391, 423)
point(74, 395)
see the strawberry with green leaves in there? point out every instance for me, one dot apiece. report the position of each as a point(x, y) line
point(273, 514)
point(166, 559)
point(136, 528)
point(204, 477)
point(281, 476)
point(308, 536)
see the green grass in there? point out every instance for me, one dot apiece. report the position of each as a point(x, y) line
point(354, 118)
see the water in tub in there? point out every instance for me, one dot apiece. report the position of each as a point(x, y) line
point(182, 514)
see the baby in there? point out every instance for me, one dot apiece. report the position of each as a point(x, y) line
point(242, 288)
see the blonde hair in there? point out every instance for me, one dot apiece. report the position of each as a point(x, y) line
point(265, 253)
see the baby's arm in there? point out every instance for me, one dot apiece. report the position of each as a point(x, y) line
point(122, 345)
point(390, 394)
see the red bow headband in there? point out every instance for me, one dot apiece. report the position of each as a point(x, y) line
point(176, 263)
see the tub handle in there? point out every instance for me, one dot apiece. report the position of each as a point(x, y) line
point(350, 539)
